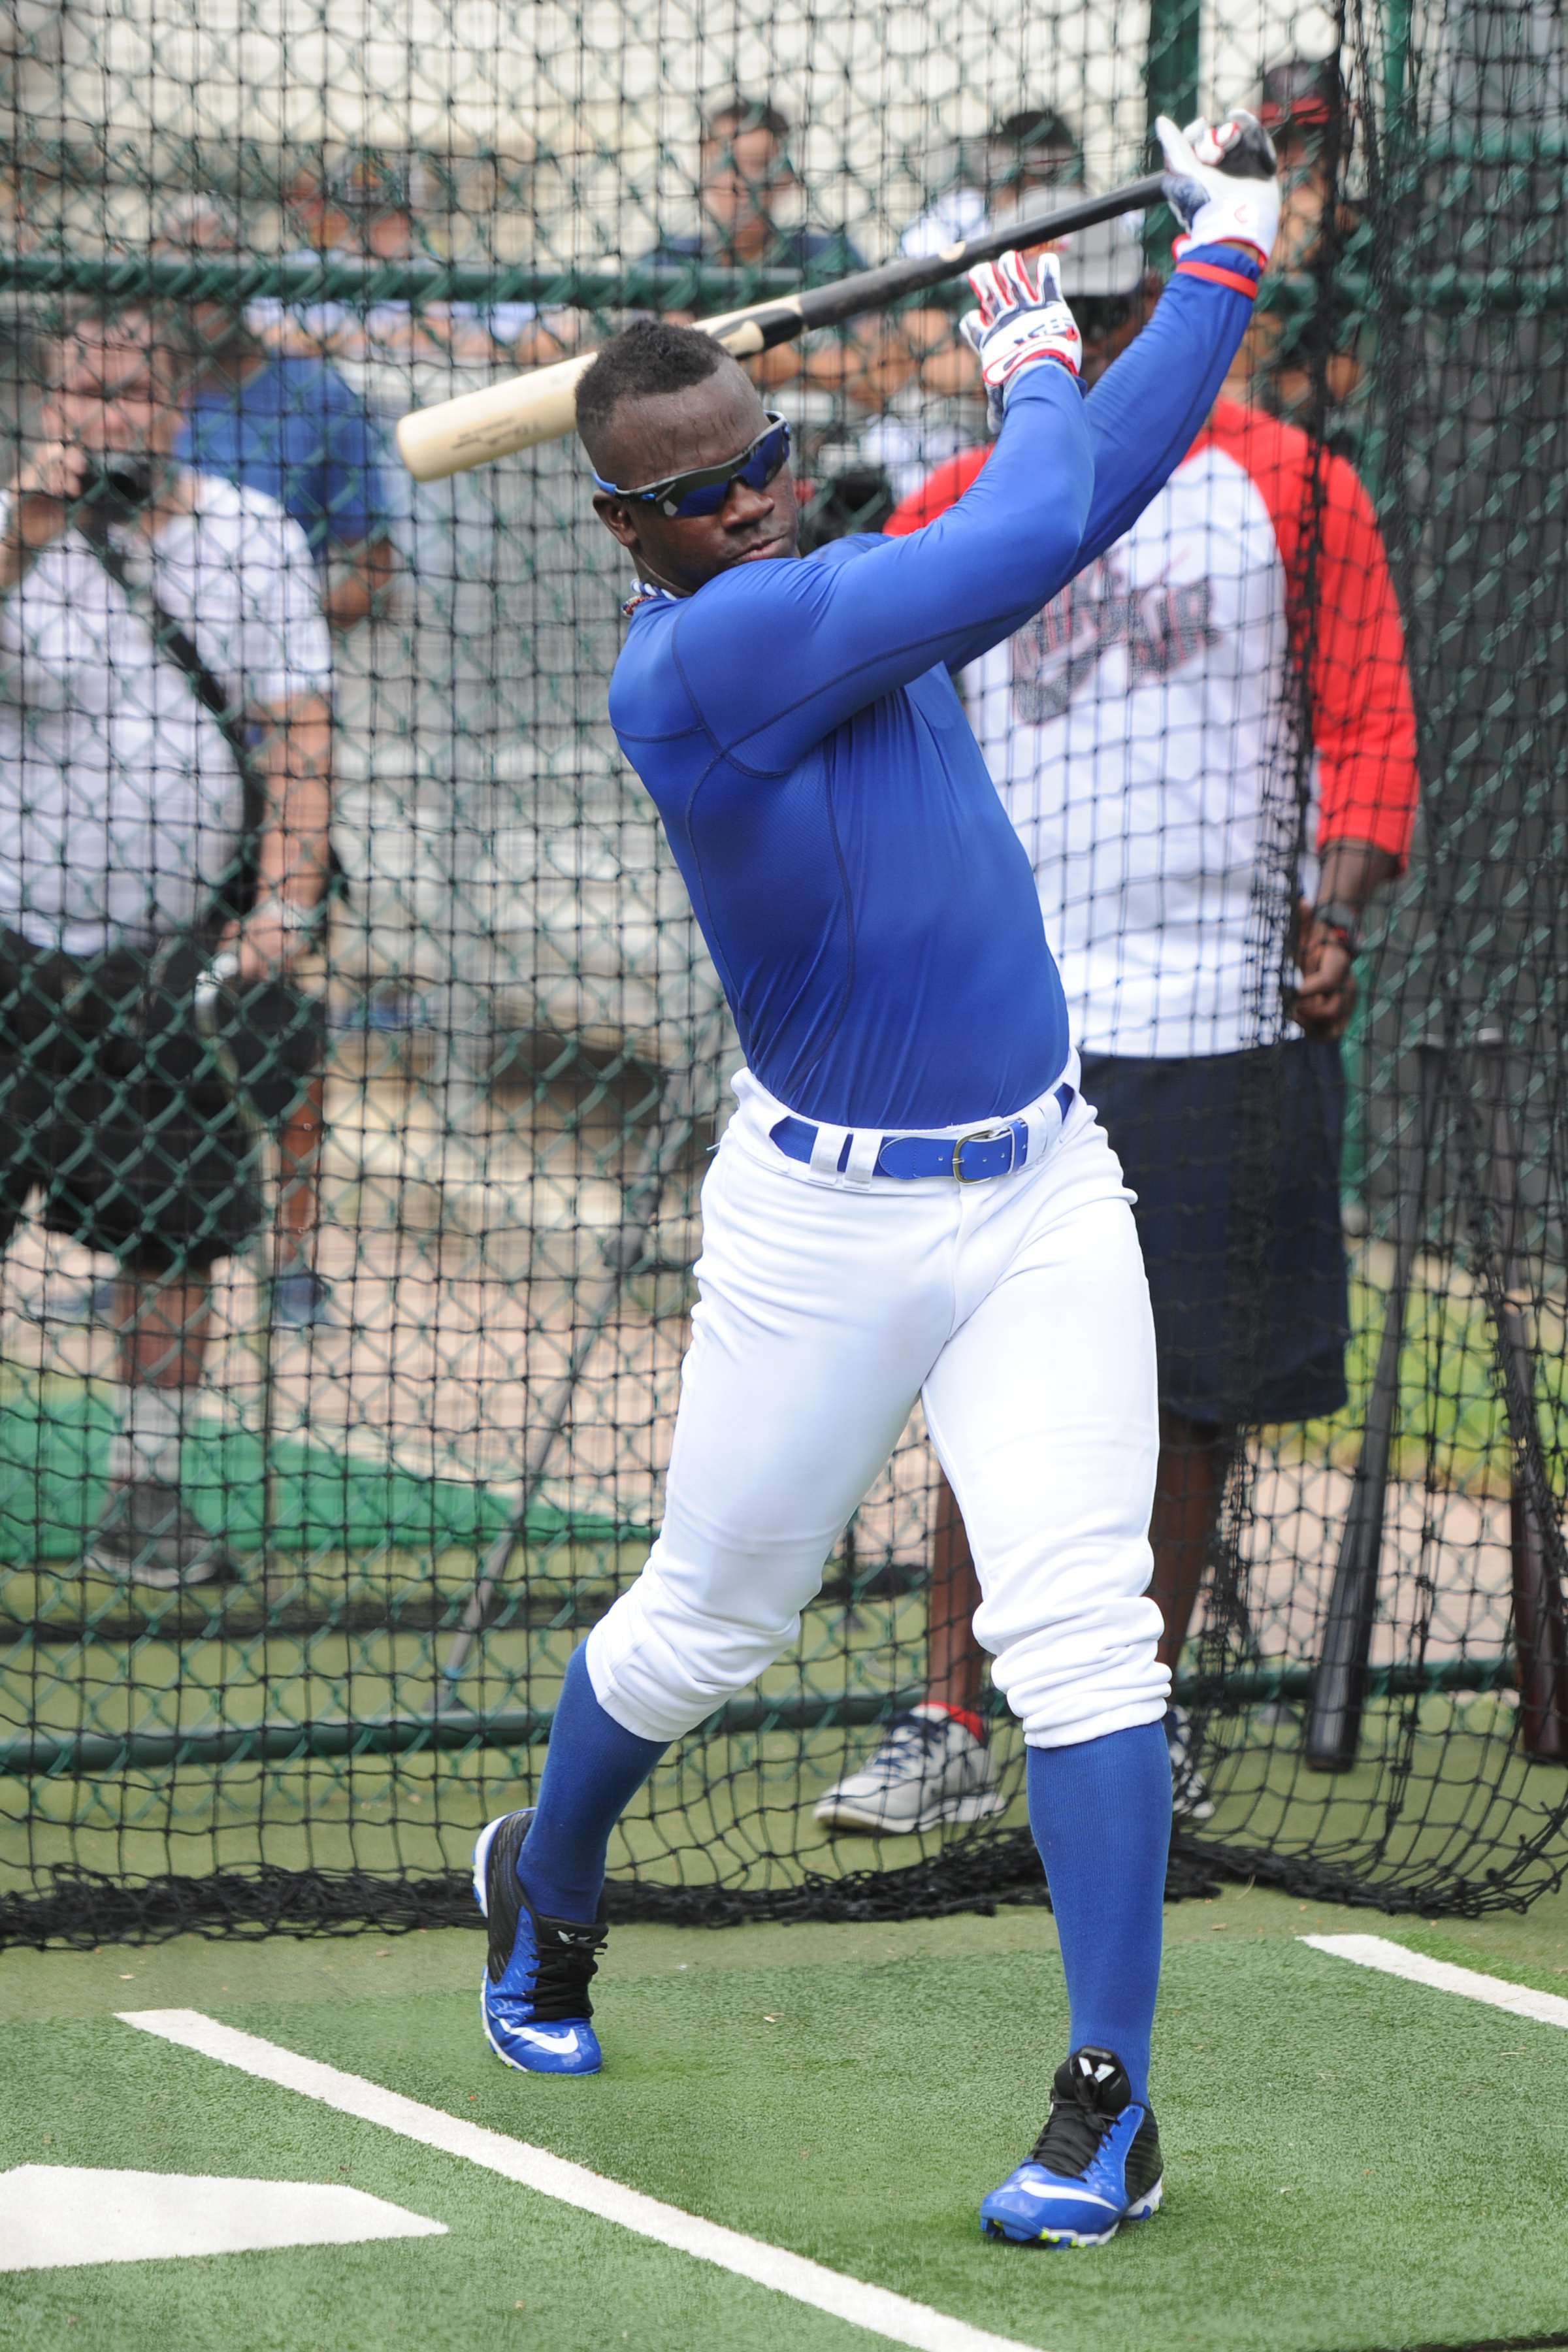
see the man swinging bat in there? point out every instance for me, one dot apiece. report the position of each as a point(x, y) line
point(912, 1200)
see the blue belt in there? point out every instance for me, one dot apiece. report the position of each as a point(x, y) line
point(974, 1159)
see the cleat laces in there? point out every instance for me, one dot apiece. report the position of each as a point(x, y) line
point(566, 1963)
point(1078, 2119)
point(904, 1738)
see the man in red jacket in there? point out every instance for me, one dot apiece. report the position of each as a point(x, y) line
point(1207, 744)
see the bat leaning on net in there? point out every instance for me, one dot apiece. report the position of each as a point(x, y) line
point(1339, 1686)
point(1537, 1555)
point(543, 405)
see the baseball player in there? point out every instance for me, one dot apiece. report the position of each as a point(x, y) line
point(1146, 732)
point(912, 1199)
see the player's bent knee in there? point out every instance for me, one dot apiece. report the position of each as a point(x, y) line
point(661, 1663)
point(1066, 1683)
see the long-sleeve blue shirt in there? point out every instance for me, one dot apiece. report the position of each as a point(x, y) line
point(868, 907)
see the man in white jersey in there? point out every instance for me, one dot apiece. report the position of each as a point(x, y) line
point(1155, 733)
point(164, 793)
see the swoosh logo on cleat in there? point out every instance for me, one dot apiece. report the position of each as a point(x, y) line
point(564, 2043)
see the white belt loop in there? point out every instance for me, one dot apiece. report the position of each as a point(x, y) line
point(826, 1153)
point(861, 1165)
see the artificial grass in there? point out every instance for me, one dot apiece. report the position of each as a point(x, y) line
point(1451, 1425)
point(54, 1452)
point(853, 2108)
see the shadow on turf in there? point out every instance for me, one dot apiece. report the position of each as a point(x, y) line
point(1495, 2344)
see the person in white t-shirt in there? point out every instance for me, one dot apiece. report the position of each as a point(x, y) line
point(1208, 745)
point(164, 736)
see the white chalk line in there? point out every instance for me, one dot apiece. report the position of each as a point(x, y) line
point(1397, 1960)
point(876, 2308)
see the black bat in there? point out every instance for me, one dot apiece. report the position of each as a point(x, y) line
point(1538, 1558)
point(540, 406)
point(1339, 1686)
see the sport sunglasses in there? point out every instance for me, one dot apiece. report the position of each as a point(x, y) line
point(704, 490)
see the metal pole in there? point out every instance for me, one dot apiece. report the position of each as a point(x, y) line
point(1171, 80)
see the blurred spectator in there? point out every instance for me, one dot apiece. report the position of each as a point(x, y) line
point(285, 423)
point(1027, 155)
point(370, 208)
point(165, 742)
point(939, 412)
point(913, 372)
point(746, 178)
point(1305, 107)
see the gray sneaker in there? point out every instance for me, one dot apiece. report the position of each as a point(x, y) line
point(146, 1536)
point(929, 1769)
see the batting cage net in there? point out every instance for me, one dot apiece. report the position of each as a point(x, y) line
point(360, 1059)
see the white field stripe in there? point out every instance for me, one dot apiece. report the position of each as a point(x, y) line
point(893, 2317)
point(1395, 1960)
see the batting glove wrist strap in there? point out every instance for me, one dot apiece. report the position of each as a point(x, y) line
point(1221, 180)
point(1021, 321)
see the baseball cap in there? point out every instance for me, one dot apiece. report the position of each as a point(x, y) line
point(370, 183)
point(1301, 90)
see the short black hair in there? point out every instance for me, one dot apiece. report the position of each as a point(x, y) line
point(1037, 126)
point(739, 113)
point(651, 356)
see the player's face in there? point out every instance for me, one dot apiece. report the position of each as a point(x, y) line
point(676, 433)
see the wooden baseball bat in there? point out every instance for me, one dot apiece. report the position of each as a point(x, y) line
point(1339, 1686)
point(543, 405)
point(1537, 1556)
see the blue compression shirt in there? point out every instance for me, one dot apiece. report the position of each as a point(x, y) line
point(871, 910)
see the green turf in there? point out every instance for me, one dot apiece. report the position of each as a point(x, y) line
point(848, 2092)
point(54, 1451)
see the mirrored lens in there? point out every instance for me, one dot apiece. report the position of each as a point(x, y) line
point(757, 470)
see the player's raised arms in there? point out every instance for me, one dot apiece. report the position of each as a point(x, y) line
point(878, 612)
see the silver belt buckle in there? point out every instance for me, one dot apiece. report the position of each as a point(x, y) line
point(985, 1135)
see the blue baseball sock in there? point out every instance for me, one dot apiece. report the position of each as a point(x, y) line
point(1100, 1814)
point(592, 1771)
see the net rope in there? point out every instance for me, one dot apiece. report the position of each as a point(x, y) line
point(384, 1275)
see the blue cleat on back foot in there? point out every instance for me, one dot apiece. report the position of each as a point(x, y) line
point(1096, 2165)
point(534, 1995)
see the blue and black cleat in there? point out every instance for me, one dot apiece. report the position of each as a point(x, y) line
point(1096, 2165)
point(534, 1995)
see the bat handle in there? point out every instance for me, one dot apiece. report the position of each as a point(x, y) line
point(1535, 1545)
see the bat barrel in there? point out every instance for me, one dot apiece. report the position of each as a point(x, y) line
point(1339, 1686)
point(480, 427)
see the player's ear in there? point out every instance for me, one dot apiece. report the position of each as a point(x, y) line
point(615, 515)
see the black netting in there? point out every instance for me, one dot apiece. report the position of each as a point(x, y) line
point(346, 1286)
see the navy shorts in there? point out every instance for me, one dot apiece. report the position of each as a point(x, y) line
point(1235, 1159)
point(155, 1164)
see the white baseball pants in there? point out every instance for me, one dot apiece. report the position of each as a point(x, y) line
point(1017, 1310)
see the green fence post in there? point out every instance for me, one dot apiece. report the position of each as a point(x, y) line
point(1171, 74)
point(1171, 77)
point(1396, 19)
